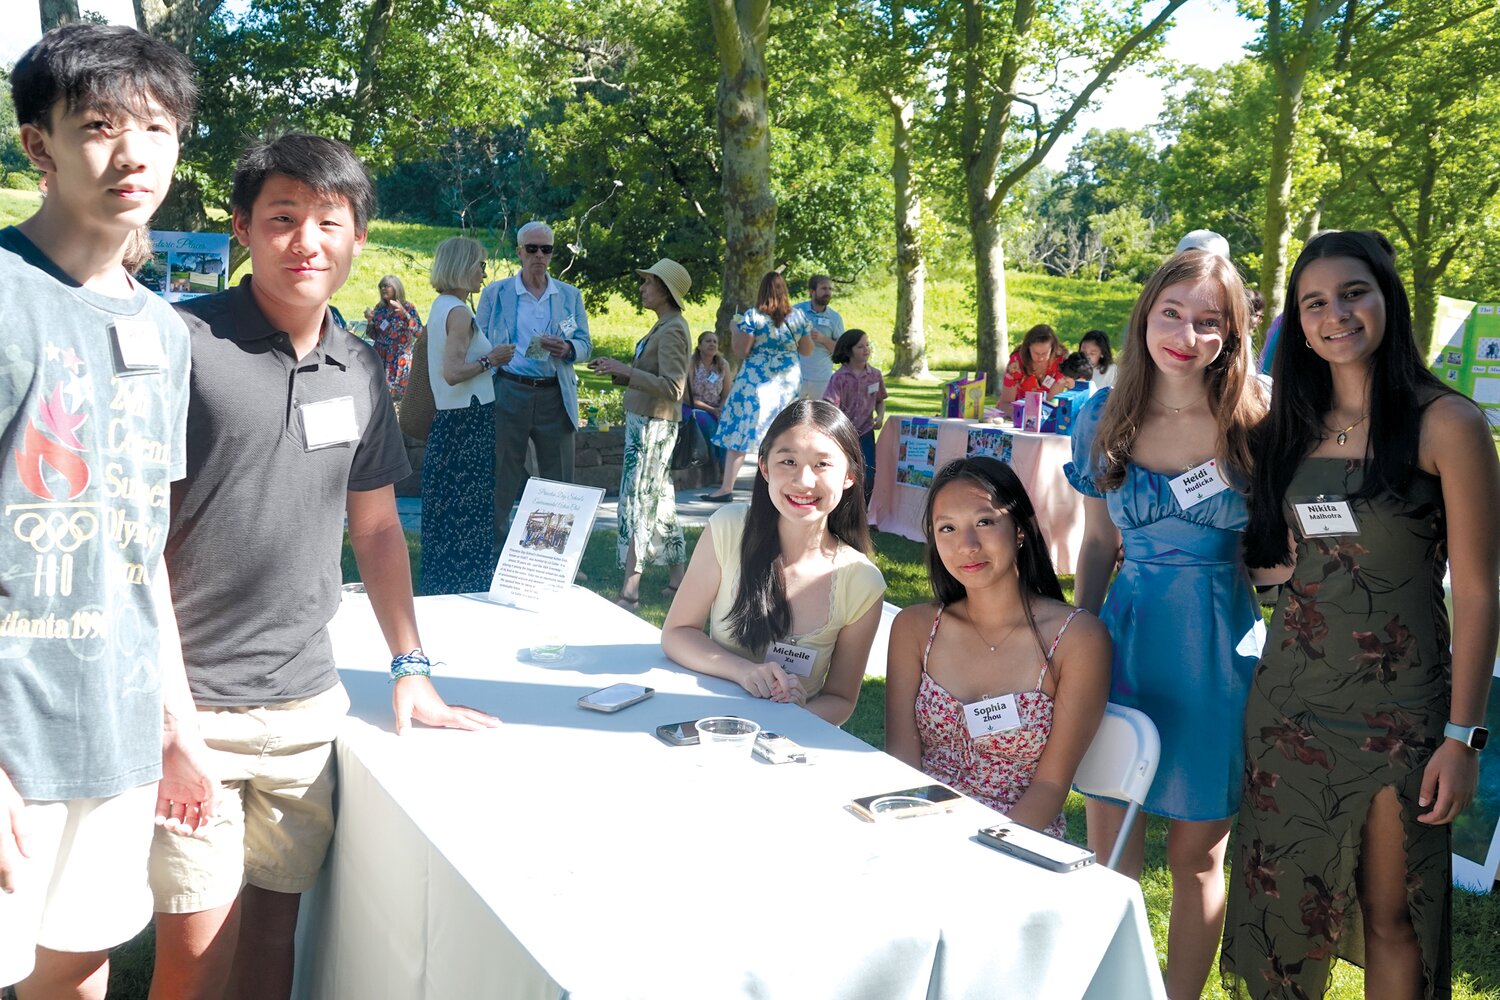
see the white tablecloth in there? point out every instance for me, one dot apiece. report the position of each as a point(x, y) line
point(571, 854)
point(1037, 460)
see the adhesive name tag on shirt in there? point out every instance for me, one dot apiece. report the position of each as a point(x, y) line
point(872, 388)
point(139, 345)
point(992, 715)
point(1326, 516)
point(1196, 485)
point(794, 659)
point(567, 326)
point(329, 422)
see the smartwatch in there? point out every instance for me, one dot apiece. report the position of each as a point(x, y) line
point(1473, 737)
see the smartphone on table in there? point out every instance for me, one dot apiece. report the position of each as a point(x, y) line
point(1035, 848)
point(774, 748)
point(906, 803)
point(679, 734)
point(615, 697)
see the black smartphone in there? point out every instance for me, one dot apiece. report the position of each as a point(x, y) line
point(906, 803)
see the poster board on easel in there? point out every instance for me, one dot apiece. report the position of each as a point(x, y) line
point(1476, 833)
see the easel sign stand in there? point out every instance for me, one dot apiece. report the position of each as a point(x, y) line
point(545, 543)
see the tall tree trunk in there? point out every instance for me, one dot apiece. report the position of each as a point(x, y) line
point(175, 22)
point(55, 12)
point(909, 337)
point(1424, 299)
point(740, 28)
point(369, 64)
point(1276, 231)
point(993, 333)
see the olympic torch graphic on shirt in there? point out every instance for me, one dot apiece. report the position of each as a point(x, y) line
point(51, 464)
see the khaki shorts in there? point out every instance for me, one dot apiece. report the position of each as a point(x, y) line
point(84, 886)
point(276, 817)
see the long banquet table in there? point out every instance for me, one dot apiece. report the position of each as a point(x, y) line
point(571, 854)
point(1037, 459)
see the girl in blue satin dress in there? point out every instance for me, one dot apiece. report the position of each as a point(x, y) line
point(1162, 459)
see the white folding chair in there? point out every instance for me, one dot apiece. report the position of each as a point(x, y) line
point(875, 665)
point(1121, 764)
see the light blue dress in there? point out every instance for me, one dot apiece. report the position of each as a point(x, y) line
point(1186, 627)
point(767, 382)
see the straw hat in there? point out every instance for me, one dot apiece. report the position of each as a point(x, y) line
point(673, 275)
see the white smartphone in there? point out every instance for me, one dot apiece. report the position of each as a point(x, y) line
point(1035, 848)
point(615, 697)
point(774, 748)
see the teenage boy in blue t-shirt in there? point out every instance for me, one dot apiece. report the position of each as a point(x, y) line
point(98, 728)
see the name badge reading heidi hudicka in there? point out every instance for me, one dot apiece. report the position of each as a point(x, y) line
point(1196, 485)
point(329, 422)
point(992, 715)
point(794, 659)
point(1322, 516)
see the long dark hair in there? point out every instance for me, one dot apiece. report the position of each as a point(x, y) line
point(1033, 562)
point(1400, 388)
point(760, 613)
point(772, 298)
point(1106, 355)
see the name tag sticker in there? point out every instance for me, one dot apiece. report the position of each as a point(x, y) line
point(872, 388)
point(1197, 485)
point(138, 346)
point(329, 422)
point(794, 659)
point(992, 715)
point(1322, 516)
point(567, 326)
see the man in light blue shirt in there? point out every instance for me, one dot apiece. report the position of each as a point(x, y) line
point(536, 392)
point(827, 328)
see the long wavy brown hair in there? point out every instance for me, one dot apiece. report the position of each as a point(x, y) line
point(772, 299)
point(1234, 396)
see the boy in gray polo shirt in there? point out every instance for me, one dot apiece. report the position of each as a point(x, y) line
point(93, 399)
point(290, 428)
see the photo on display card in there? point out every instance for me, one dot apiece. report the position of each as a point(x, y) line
point(186, 265)
point(545, 543)
point(916, 453)
point(1476, 832)
point(991, 442)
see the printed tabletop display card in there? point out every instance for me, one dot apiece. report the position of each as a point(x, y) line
point(1469, 359)
point(186, 265)
point(1476, 832)
point(918, 452)
point(991, 442)
point(545, 544)
point(965, 397)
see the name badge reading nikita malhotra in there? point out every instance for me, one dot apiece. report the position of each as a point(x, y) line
point(1322, 516)
point(1197, 485)
point(794, 659)
point(138, 345)
point(329, 422)
point(992, 715)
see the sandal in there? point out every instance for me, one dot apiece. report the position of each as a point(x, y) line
point(716, 497)
point(669, 591)
point(628, 603)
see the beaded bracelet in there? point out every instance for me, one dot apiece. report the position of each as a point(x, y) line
point(407, 664)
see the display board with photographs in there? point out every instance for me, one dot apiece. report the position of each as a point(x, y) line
point(917, 452)
point(186, 265)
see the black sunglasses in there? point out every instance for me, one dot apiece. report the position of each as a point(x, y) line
point(541, 248)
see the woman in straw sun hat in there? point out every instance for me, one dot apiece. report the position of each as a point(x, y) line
point(656, 384)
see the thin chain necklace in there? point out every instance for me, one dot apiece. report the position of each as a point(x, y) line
point(1343, 436)
point(1174, 410)
point(985, 639)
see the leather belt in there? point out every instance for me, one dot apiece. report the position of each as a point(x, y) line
point(527, 380)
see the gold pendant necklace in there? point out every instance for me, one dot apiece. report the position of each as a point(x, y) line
point(1343, 436)
point(1174, 410)
point(1003, 636)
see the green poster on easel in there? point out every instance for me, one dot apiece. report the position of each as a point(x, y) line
point(1470, 359)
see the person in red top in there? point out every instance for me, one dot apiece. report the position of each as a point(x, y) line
point(1040, 371)
point(858, 389)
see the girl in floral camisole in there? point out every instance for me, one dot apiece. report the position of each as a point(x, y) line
point(987, 704)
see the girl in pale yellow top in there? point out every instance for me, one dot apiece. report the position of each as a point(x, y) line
point(785, 585)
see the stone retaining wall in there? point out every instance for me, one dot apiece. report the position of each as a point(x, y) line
point(598, 457)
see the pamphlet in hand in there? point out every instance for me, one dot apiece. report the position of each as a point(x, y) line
point(545, 544)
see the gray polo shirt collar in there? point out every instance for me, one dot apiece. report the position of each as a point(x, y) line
point(247, 322)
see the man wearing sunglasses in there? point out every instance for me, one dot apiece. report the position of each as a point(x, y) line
point(536, 391)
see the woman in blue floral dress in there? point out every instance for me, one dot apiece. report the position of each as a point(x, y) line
point(769, 338)
point(393, 327)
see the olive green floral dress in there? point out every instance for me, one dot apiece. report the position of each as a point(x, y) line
point(1350, 697)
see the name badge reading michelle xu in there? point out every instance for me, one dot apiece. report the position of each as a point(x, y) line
point(794, 659)
point(1196, 485)
point(1323, 516)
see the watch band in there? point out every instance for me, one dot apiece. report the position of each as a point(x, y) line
point(1474, 737)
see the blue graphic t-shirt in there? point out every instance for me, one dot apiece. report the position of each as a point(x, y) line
point(93, 411)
